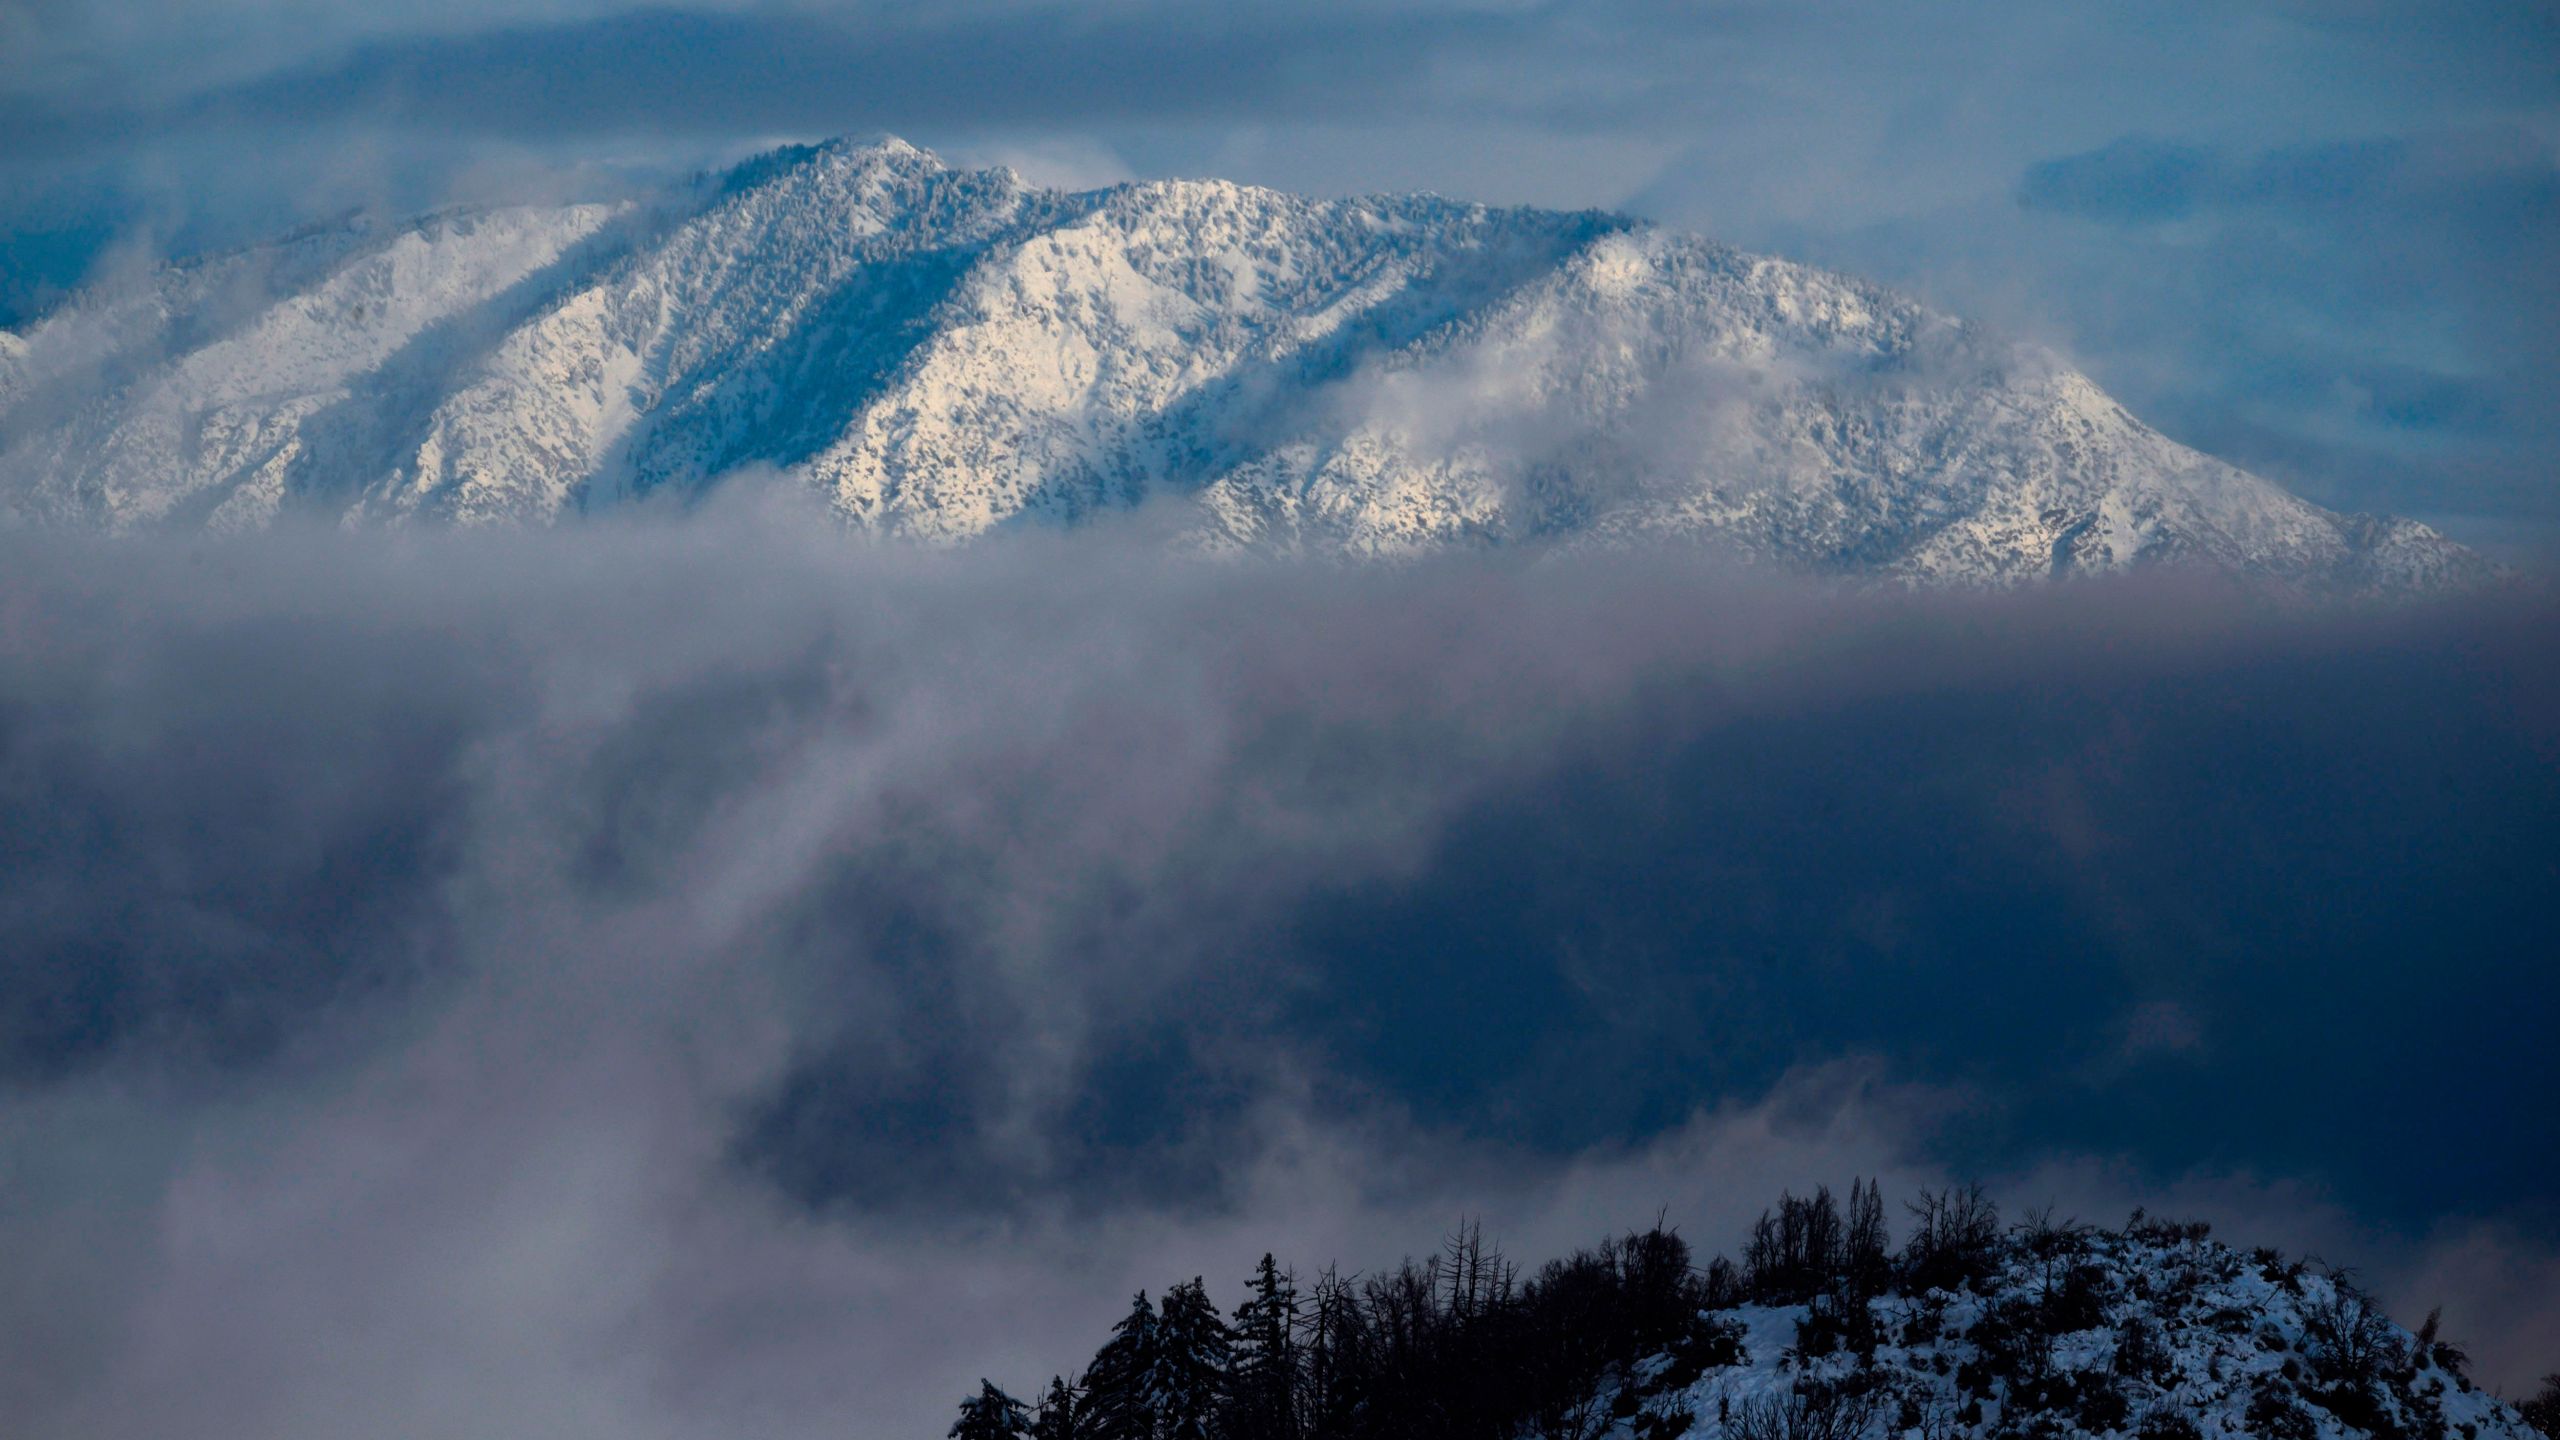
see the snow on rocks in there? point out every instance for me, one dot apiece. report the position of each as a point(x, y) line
point(941, 353)
point(2153, 1332)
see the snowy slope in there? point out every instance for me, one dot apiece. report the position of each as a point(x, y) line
point(944, 352)
point(2143, 1333)
point(218, 387)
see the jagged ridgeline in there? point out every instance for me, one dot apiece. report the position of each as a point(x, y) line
point(936, 353)
point(1825, 1330)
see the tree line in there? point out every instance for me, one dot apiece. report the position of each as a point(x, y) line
point(1463, 1344)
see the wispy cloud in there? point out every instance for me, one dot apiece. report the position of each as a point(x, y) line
point(716, 978)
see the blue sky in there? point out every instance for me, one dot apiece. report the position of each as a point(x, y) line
point(2312, 237)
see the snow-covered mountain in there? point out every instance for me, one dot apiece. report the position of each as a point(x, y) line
point(943, 352)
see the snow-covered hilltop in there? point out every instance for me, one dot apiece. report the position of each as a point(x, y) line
point(2154, 1332)
point(942, 352)
point(1824, 1331)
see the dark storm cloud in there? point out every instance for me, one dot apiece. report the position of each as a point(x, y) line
point(663, 981)
point(2136, 898)
point(608, 66)
point(725, 73)
point(729, 74)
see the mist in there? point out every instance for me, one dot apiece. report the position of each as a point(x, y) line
point(729, 978)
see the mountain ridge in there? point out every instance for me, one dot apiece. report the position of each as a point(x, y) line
point(940, 353)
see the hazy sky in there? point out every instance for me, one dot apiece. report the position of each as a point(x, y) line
point(2312, 237)
point(731, 980)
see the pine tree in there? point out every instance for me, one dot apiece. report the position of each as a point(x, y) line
point(990, 1414)
point(1061, 1415)
point(1263, 1381)
point(1118, 1404)
point(1193, 1351)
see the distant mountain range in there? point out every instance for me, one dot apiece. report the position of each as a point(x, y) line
point(944, 352)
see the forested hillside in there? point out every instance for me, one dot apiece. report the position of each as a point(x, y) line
point(1823, 1330)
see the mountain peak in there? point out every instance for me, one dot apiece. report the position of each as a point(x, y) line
point(941, 352)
